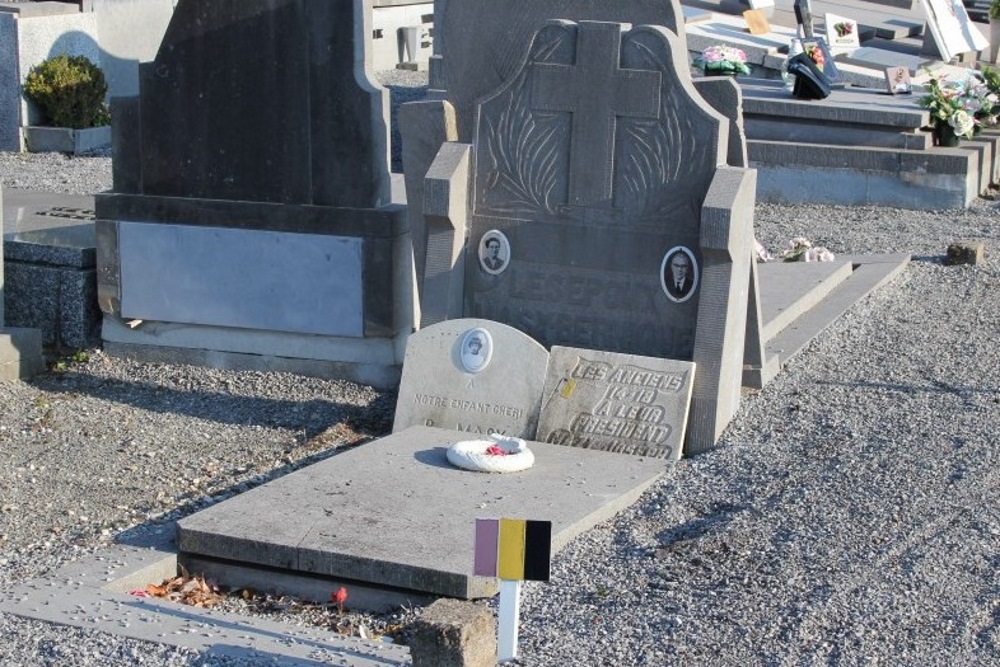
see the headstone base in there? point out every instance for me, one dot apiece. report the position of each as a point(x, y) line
point(371, 361)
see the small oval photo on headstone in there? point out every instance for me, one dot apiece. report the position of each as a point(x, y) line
point(494, 252)
point(679, 274)
point(476, 350)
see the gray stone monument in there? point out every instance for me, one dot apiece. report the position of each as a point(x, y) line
point(473, 376)
point(20, 348)
point(263, 235)
point(600, 216)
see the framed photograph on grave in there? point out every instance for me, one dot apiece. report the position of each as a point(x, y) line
point(818, 51)
point(679, 274)
point(897, 80)
point(841, 33)
point(476, 350)
point(494, 252)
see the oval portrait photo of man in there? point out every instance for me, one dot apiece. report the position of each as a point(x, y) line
point(494, 252)
point(679, 274)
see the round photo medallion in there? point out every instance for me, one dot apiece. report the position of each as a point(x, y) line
point(494, 252)
point(476, 351)
point(679, 274)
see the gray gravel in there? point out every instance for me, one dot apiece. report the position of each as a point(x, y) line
point(849, 517)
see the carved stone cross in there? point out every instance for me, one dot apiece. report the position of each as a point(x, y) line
point(596, 91)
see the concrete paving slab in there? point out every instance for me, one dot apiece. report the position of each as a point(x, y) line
point(395, 513)
point(870, 272)
point(93, 593)
point(789, 289)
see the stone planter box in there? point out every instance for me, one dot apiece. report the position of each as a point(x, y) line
point(66, 140)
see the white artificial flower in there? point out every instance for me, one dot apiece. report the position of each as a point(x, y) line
point(962, 122)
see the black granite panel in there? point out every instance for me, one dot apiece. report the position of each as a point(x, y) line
point(126, 145)
point(379, 294)
point(225, 104)
point(349, 157)
point(386, 222)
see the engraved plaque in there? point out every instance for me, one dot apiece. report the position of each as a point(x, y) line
point(473, 376)
point(616, 402)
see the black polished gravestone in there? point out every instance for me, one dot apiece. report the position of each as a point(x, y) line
point(256, 100)
point(251, 210)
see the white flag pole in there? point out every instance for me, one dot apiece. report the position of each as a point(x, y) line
point(507, 619)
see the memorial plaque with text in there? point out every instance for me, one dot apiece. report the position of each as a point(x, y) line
point(616, 402)
point(472, 375)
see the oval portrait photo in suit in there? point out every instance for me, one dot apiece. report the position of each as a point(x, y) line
point(679, 274)
point(494, 252)
point(476, 350)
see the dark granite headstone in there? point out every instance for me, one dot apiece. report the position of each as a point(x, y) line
point(251, 201)
point(258, 100)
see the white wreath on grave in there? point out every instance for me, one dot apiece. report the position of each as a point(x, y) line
point(498, 454)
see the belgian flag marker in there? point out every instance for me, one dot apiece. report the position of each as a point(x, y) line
point(513, 550)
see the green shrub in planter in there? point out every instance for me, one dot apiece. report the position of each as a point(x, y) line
point(70, 91)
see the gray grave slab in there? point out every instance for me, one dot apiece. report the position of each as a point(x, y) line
point(20, 348)
point(851, 175)
point(616, 402)
point(185, 273)
point(869, 56)
point(394, 513)
point(868, 109)
point(869, 273)
point(498, 390)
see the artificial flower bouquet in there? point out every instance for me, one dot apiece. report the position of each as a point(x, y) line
point(724, 59)
point(964, 104)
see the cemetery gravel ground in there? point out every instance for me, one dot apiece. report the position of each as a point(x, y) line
point(850, 515)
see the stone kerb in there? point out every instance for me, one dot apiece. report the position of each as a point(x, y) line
point(474, 376)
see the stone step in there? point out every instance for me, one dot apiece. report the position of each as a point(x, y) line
point(793, 173)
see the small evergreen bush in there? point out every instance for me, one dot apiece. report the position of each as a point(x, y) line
point(70, 91)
